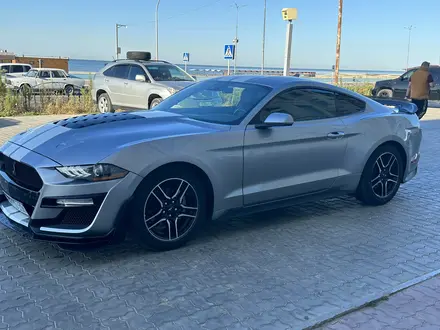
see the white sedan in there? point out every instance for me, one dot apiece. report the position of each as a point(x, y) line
point(38, 80)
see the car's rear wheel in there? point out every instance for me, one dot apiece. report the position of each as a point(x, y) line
point(104, 103)
point(155, 102)
point(385, 93)
point(381, 177)
point(169, 208)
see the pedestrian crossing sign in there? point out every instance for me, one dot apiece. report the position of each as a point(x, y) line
point(185, 57)
point(229, 52)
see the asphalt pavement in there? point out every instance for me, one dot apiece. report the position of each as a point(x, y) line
point(288, 269)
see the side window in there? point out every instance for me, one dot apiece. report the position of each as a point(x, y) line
point(26, 68)
point(347, 105)
point(4, 68)
point(108, 72)
point(121, 71)
point(135, 70)
point(58, 74)
point(17, 68)
point(407, 75)
point(302, 104)
point(44, 74)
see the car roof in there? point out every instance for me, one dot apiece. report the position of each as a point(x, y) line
point(270, 81)
point(50, 69)
point(1, 64)
point(125, 61)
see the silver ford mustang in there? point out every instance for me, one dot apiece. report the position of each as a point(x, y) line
point(223, 146)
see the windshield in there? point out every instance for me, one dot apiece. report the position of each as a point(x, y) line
point(32, 73)
point(216, 101)
point(164, 72)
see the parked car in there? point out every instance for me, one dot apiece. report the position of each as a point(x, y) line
point(164, 173)
point(37, 80)
point(137, 83)
point(14, 69)
point(396, 88)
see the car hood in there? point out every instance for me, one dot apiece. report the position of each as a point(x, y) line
point(384, 82)
point(89, 139)
point(177, 85)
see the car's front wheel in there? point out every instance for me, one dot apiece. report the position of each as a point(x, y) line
point(381, 177)
point(68, 90)
point(385, 93)
point(169, 208)
point(104, 103)
point(155, 102)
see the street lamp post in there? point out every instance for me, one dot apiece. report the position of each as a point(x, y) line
point(264, 38)
point(409, 28)
point(157, 29)
point(289, 15)
point(118, 50)
point(235, 41)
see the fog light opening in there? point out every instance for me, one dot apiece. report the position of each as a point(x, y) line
point(72, 202)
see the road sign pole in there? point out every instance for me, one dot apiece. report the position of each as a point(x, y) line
point(186, 66)
point(229, 67)
point(287, 52)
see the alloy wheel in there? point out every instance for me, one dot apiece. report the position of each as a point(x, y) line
point(386, 175)
point(171, 209)
point(103, 105)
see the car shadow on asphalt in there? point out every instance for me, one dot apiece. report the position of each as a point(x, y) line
point(5, 122)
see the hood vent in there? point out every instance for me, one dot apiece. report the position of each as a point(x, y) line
point(96, 119)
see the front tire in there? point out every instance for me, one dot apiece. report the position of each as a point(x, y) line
point(381, 177)
point(169, 209)
point(388, 93)
point(104, 103)
point(155, 102)
point(68, 90)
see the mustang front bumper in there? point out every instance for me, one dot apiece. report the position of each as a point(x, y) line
point(63, 210)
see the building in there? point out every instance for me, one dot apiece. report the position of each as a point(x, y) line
point(36, 61)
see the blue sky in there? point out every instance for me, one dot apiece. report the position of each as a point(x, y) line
point(373, 34)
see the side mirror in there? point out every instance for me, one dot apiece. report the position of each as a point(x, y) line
point(140, 77)
point(194, 77)
point(276, 119)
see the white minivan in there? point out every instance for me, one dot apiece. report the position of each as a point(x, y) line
point(14, 69)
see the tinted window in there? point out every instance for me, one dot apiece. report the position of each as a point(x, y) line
point(58, 74)
point(109, 72)
point(135, 70)
point(302, 104)
point(4, 68)
point(121, 71)
point(347, 105)
point(408, 74)
point(17, 68)
point(26, 68)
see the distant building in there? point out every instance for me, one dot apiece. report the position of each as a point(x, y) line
point(36, 61)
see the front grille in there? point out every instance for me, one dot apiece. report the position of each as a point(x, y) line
point(22, 174)
point(79, 216)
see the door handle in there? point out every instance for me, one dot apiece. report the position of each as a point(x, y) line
point(126, 83)
point(335, 135)
point(106, 80)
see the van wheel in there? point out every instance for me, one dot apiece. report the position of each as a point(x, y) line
point(385, 93)
point(155, 102)
point(104, 103)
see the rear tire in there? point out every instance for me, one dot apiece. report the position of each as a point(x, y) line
point(104, 103)
point(169, 209)
point(381, 177)
point(155, 102)
point(385, 93)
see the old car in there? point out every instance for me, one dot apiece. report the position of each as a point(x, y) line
point(46, 79)
point(163, 174)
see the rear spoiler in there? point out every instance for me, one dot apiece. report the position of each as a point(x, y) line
point(400, 105)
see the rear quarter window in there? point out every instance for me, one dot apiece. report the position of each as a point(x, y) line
point(347, 105)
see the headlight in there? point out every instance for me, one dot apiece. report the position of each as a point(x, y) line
point(171, 90)
point(98, 172)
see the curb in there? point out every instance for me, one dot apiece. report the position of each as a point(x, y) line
point(370, 299)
